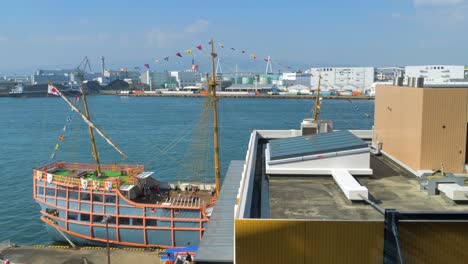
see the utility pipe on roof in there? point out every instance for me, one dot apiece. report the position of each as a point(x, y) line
point(374, 205)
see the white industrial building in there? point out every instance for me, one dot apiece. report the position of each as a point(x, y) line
point(54, 76)
point(435, 74)
point(354, 78)
point(64, 77)
point(292, 78)
point(185, 78)
point(23, 79)
point(156, 79)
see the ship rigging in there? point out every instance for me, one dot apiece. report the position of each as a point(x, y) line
point(140, 210)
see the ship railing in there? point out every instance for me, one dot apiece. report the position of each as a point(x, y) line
point(131, 170)
point(83, 166)
point(71, 181)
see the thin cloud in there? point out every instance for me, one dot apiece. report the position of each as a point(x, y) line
point(197, 27)
point(3, 40)
point(69, 39)
point(420, 3)
point(438, 15)
point(166, 38)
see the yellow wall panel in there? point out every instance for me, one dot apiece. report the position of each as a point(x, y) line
point(301, 241)
point(435, 242)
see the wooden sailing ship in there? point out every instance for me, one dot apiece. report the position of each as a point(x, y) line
point(123, 205)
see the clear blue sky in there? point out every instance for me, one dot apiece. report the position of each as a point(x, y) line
point(58, 33)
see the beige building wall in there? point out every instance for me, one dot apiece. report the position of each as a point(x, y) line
point(444, 129)
point(422, 127)
point(398, 123)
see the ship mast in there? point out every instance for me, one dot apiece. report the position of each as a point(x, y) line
point(317, 100)
point(87, 121)
point(212, 89)
point(80, 74)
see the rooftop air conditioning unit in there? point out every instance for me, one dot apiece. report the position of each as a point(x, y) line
point(311, 127)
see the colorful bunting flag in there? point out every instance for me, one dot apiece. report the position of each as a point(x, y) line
point(146, 65)
point(57, 146)
point(77, 98)
point(221, 45)
point(61, 138)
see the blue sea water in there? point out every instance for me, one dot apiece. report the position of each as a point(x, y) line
point(155, 132)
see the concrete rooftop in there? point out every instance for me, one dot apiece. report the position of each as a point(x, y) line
point(319, 197)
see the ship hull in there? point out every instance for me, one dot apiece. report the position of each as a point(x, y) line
point(79, 214)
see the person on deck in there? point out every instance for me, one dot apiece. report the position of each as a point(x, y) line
point(188, 258)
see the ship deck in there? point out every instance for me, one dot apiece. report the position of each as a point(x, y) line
point(320, 198)
point(89, 174)
point(123, 173)
point(126, 175)
point(178, 198)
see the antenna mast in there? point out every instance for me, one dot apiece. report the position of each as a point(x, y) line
point(268, 69)
point(80, 72)
point(317, 100)
point(218, 67)
point(212, 86)
point(103, 66)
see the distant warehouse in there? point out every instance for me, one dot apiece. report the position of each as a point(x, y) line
point(435, 74)
point(346, 78)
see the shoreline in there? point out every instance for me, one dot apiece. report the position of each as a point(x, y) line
point(260, 96)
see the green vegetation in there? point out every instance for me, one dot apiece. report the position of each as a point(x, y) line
point(62, 172)
point(91, 176)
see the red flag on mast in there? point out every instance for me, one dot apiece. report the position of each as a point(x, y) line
point(199, 47)
point(178, 54)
